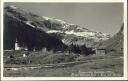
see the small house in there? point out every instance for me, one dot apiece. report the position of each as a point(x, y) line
point(24, 55)
point(100, 51)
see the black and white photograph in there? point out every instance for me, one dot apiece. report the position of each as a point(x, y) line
point(63, 39)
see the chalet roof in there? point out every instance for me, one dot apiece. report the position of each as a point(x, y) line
point(100, 48)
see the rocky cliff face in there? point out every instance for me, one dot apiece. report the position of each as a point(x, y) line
point(36, 32)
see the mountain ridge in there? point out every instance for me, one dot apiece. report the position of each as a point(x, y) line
point(65, 32)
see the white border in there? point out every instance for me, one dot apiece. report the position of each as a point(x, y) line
point(125, 41)
point(70, 78)
point(1, 39)
point(64, 1)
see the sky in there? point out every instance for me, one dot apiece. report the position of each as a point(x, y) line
point(100, 17)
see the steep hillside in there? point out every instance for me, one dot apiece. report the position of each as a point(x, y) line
point(115, 43)
point(18, 26)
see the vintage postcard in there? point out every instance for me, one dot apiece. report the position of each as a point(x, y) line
point(67, 40)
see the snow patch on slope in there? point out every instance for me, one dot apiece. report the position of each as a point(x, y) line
point(29, 23)
point(13, 7)
point(92, 35)
point(46, 18)
point(83, 34)
point(53, 31)
point(53, 19)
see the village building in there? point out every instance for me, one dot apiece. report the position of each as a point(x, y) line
point(100, 51)
point(24, 55)
point(18, 47)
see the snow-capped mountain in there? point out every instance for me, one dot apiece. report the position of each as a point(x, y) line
point(66, 32)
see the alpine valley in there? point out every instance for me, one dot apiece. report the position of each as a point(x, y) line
point(42, 46)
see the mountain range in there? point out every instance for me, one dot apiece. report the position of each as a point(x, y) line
point(37, 32)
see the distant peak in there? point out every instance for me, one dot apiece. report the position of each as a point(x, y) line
point(53, 19)
point(10, 7)
point(47, 18)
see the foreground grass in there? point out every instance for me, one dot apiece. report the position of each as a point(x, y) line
point(112, 63)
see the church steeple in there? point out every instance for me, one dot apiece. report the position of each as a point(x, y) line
point(17, 47)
